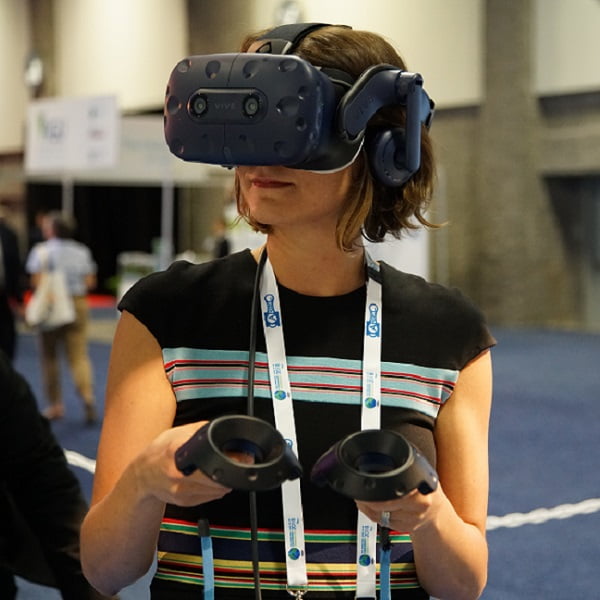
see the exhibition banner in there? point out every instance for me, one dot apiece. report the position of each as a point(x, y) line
point(71, 134)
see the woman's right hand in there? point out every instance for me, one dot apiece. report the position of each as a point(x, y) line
point(158, 475)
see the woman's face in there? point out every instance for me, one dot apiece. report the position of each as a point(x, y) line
point(282, 197)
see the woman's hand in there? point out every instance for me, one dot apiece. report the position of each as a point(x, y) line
point(158, 475)
point(406, 514)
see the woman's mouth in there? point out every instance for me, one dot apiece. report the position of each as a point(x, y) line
point(264, 182)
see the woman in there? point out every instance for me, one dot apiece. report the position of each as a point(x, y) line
point(180, 359)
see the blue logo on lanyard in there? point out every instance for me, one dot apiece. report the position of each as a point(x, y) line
point(272, 318)
point(373, 327)
point(370, 402)
point(294, 553)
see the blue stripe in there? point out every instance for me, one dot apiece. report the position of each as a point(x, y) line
point(197, 373)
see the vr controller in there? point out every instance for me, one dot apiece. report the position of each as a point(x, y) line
point(278, 109)
point(370, 465)
point(207, 450)
point(374, 465)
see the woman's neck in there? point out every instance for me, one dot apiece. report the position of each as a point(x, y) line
point(315, 269)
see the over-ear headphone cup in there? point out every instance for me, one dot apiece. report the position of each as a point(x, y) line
point(387, 156)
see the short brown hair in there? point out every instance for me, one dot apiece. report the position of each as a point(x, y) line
point(61, 225)
point(373, 209)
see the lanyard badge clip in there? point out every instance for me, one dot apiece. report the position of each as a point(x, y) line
point(297, 592)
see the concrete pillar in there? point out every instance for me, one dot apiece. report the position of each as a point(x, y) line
point(42, 42)
point(216, 27)
point(521, 273)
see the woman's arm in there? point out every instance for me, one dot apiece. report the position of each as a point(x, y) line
point(135, 472)
point(447, 527)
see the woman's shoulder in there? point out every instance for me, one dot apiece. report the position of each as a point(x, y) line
point(439, 318)
point(419, 293)
point(184, 281)
point(185, 274)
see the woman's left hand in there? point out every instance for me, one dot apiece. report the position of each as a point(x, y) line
point(406, 514)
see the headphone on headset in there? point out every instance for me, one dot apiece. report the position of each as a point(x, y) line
point(271, 107)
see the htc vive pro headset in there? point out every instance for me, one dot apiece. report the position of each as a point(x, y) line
point(271, 107)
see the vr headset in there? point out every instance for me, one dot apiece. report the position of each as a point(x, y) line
point(271, 107)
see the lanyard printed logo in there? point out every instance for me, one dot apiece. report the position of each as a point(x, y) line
point(294, 552)
point(364, 551)
point(277, 375)
point(373, 326)
point(272, 316)
point(371, 390)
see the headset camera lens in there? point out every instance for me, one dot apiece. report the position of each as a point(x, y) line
point(199, 105)
point(251, 106)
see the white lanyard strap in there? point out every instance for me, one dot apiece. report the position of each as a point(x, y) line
point(371, 383)
point(281, 396)
point(366, 532)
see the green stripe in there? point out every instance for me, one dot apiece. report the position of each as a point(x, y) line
point(272, 536)
point(277, 586)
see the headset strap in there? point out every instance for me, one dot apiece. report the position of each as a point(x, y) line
point(285, 38)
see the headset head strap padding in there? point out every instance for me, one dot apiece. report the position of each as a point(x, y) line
point(284, 39)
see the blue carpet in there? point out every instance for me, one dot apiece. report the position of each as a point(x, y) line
point(543, 454)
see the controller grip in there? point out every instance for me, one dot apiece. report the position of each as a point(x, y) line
point(210, 450)
point(184, 455)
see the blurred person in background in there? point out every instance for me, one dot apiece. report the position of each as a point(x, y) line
point(11, 286)
point(61, 251)
point(35, 232)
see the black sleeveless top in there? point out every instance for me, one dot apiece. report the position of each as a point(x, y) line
point(200, 316)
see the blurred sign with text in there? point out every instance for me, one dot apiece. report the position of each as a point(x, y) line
point(71, 134)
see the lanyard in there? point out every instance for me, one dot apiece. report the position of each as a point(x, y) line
point(281, 395)
point(208, 568)
point(366, 533)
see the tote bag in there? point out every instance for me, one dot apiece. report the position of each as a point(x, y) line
point(51, 304)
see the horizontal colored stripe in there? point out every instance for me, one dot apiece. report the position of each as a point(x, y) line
point(196, 373)
point(323, 536)
point(236, 571)
point(192, 561)
point(317, 582)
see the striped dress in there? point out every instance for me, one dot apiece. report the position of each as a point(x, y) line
point(200, 316)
